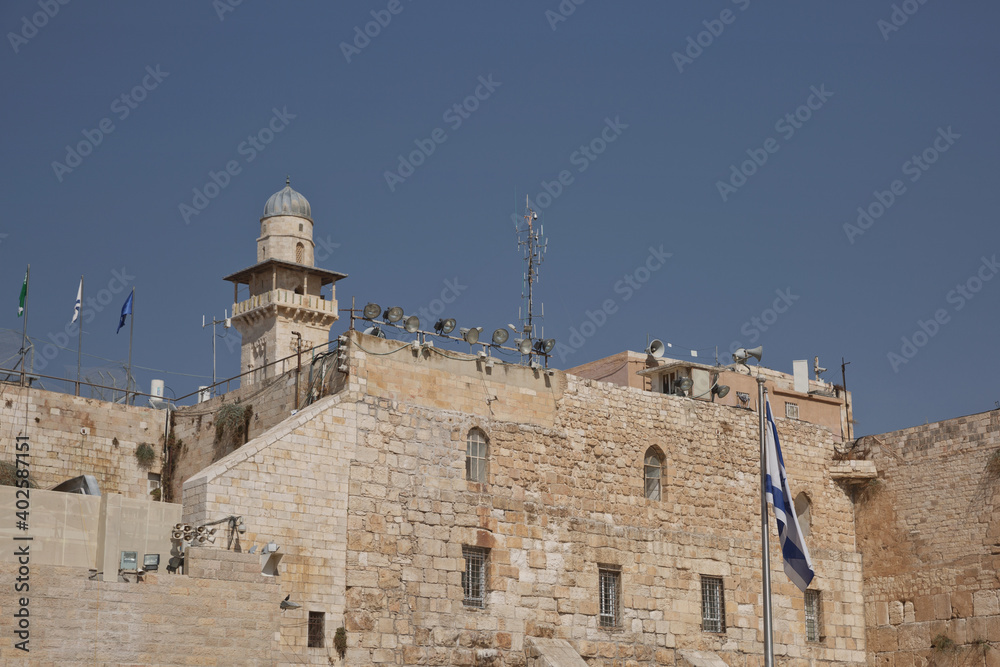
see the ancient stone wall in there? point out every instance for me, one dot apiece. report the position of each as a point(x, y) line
point(165, 620)
point(366, 492)
point(72, 435)
point(929, 530)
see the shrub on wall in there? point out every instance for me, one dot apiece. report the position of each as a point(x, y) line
point(145, 454)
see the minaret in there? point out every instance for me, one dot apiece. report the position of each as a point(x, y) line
point(285, 290)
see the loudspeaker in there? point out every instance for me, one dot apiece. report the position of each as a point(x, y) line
point(655, 348)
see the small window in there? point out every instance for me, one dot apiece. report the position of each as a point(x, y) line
point(713, 609)
point(475, 456)
point(317, 621)
point(792, 410)
point(803, 511)
point(300, 251)
point(653, 474)
point(813, 617)
point(610, 580)
point(474, 576)
point(669, 382)
point(300, 226)
point(152, 481)
point(263, 229)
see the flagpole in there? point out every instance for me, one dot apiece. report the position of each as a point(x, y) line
point(765, 560)
point(79, 349)
point(131, 326)
point(24, 330)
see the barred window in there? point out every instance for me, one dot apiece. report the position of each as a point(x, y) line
point(475, 456)
point(713, 607)
point(813, 618)
point(317, 622)
point(300, 251)
point(474, 576)
point(653, 473)
point(792, 410)
point(610, 579)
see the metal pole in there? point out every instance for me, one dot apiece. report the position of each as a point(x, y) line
point(79, 349)
point(765, 554)
point(213, 353)
point(24, 330)
point(847, 409)
point(298, 368)
point(128, 372)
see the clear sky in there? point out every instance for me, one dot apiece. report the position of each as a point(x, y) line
point(738, 137)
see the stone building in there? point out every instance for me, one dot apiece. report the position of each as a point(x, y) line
point(450, 509)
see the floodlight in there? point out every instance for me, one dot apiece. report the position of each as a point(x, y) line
point(545, 346)
point(411, 324)
point(524, 346)
point(500, 336)
point(393, 314)
point(444, 326)
point(719, 390)
point(685, 383)
point(471, 335)
point(375, 331)
point(371, 311)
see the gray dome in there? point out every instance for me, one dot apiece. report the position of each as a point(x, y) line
point(287, 202)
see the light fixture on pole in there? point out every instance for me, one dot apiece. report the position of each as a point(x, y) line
point(545, 346)
point(411, 324)
point(371, 311)
point(444, 325)
point(500, 336)
point(471, 335)
point(393, 314)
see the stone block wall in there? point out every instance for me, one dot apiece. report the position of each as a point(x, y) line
point(366, 492)
point(164, 620)
point(929, 530)
point(72, 435)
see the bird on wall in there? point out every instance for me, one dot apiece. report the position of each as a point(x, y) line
point(288, 604)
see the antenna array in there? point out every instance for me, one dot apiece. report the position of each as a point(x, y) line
point(531, 241)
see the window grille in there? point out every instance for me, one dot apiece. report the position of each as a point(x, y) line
point(713, 611)
point(475, 456)
point(610, 594)
point(792, 410)
point(653, 471)
point(474, 576)
point(316, 628)
point(812, 616)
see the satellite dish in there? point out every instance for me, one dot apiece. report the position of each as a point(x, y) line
point(655, 348)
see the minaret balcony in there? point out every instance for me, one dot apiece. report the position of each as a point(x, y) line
point(306, 306)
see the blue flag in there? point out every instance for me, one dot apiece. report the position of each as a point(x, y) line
point(126, 310)
point(798, 565)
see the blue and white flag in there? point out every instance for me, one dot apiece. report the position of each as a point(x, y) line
point(798, 565)
point(79, 302)
point(126, 310)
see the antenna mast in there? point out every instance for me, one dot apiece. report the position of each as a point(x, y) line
point(531, 241)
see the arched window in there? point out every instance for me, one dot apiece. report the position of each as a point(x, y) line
point(475, 456)
point(803, 510)
point(300, 251)
point(653, 473)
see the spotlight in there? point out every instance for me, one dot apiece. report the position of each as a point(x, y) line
point(375, 331)
point(393, 314)
point(444, 326)
point(371, 311)
point(524, 346)
point(471, 335)
point(719, 390)
point(411, 324)
point(500, 336)
point(685, 384)
point(545, 346)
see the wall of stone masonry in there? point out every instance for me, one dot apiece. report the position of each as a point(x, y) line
point(72, 435)
point(930, 534)
point(164, 620)
point(366, 490)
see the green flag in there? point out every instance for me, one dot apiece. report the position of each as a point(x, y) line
point(24, 295)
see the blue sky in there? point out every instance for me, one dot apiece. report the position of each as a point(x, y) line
point(738, 137)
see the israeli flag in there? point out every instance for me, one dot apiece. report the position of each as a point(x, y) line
point(798, 565)
point(79, 302)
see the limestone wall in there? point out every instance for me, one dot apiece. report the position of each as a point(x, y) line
point(366, 493)
point(164, 620)
point(71, 436)
point(930, 534)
